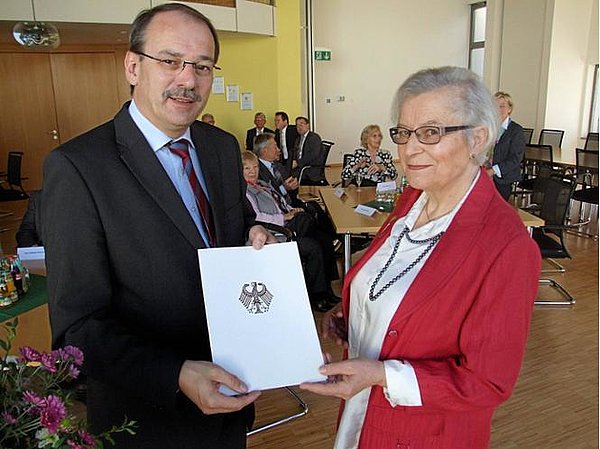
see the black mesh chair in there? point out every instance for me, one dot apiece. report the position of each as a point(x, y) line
point(528, 133)
point(591, 142)
point(552, 137)
point(14, 179)
point(536, 156)
point(587, 178)
point(322, 181)
point(558, 191)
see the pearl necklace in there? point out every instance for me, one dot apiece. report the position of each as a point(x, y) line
point(431, 241)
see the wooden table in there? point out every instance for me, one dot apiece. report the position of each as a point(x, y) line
point(348, 222)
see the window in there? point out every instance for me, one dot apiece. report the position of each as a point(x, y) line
point(593, 128)
point(477, 38)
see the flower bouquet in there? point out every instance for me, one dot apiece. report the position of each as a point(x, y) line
point(34, 402)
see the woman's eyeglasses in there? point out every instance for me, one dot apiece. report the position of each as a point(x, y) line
point(428, 135)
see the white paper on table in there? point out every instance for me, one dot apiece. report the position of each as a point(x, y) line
point(32, 253)
point(275, 347)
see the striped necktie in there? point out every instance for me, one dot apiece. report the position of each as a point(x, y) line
point(181, 149)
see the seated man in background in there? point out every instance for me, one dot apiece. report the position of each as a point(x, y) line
point(29, 229)
point(259, 121)
point(285, 137)
point(271, 208)
point(307, 151)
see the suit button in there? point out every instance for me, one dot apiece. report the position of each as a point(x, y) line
point(393, 333)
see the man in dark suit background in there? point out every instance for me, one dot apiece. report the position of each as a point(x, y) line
point(122, 224)
point(509, 150)
point(285, 137)
point(259, 121)
point(307, 151)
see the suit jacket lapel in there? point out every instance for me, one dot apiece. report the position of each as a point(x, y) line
point(137, 155)
point(445, 261)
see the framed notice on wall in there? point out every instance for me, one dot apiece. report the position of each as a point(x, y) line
point(247, 101)
point(233, 92)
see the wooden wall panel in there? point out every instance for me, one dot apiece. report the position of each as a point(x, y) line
point(27, 113)
point(85, 87)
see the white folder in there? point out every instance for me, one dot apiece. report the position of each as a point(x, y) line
point(259, 319)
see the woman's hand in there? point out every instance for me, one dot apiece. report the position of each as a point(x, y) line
point(348, 378)
point(375, 168)
point(333, 326)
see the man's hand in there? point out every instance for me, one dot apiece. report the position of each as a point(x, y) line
point(259, 236)
point(291, 183)
point(200, 382)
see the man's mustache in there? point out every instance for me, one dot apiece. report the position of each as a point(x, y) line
point(182, 92)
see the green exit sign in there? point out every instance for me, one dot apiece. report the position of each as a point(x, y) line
point(322, 55)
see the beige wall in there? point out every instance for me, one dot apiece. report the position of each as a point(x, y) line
point(547, 53)
point(375, 46)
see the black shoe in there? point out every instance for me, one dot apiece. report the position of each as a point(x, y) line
point(332, 298)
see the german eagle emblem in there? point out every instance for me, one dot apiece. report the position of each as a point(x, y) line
point(255, 297)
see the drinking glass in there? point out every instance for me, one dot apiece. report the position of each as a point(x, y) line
point(359, 178)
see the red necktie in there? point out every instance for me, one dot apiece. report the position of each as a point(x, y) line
point(180, 148)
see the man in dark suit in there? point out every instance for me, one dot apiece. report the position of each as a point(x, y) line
point(307, 151)
point(285, 137)
point(259, 121)
point(509, 150)
point(122, 220)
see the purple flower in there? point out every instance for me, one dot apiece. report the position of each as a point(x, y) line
point(29, 354)
point(52, 413)
point(34, 399)
point(73, 353)
point(73, 372)
point(49, 362)
point(8, 418)
point(87, 439)
point(73, 445)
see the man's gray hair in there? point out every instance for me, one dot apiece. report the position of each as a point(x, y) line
point(260, 142)
point(473, 104)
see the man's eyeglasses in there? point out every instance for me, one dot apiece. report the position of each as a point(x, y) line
point(428, 135)
point(175, 65)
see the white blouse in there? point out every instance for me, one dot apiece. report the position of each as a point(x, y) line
point(369, 320)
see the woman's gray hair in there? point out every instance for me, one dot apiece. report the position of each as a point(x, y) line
point(473, 105)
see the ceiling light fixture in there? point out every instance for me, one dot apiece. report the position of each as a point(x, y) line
point(36, 34)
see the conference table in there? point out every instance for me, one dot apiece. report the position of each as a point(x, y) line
point(348, 222)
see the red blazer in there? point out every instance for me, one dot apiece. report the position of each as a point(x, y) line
point(462, 325)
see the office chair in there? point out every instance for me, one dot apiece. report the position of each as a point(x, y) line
point(322, 181)
point(534, 158)
point(587, 177)
point(591, 142)
point(550, 238)
point(13, 179)
point(528, 133)
point(552, 137)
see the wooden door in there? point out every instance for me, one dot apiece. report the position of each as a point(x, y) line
point(27, 113)
point(86, 90)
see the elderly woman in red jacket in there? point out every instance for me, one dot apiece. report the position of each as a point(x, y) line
point(435, 315)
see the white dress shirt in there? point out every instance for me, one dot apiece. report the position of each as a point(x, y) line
point(172, 164)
